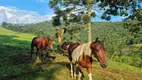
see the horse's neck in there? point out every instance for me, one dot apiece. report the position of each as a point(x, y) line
point(87, 50)
point(83, 49)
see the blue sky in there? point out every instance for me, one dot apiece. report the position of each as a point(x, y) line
point(32, 11)
point(40, 6)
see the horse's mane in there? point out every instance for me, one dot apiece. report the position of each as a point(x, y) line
point(99, 43)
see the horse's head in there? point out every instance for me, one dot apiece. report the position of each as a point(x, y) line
point(98, 51)
point(50, 44)
point(65, 45)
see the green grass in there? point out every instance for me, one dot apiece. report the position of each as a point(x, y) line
point(16, 65)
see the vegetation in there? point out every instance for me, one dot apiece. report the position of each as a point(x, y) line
point(15, 63)
point(118, 40)
point(83, 11)
point(123, 42)
point(39, 29)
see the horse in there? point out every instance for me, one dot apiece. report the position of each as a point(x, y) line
point(80, 56)
point(64, 47)
point(41, 43)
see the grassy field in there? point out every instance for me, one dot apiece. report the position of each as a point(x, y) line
point(15, 63)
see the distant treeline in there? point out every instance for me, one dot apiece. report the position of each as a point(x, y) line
point(118, 38)
point(39, 29)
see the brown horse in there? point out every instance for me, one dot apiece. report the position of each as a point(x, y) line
point(64, 47)
point(81, 57)
point(41, 43)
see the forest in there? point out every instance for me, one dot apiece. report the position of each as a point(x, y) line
point(121, 44)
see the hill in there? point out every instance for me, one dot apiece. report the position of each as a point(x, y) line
point(16, 65)
point(118, 39)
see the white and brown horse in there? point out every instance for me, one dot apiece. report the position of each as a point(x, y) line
point(80, 56)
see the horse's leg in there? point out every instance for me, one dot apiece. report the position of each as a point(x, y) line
point(71, 67)
point(41, 56)
point(75, 70)
point(37, 56)
point(80, 74)
point(47, 53)
point(32, 49)
point(89, 69)
point(71, 71)
point(37, 50)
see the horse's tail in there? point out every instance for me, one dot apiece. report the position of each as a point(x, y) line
point(32, 46)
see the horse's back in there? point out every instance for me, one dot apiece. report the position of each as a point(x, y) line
point(65, 46)
point(72, 47)
point(83, 49)
point(39, 42)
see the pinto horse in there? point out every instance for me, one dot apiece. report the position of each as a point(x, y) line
point(41, 43)
point(80, 56)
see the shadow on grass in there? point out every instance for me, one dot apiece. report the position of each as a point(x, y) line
point(14, 59)
point(54, 71)
point(16, 64)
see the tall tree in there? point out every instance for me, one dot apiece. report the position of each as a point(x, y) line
point(84, 10)
point(56, 23)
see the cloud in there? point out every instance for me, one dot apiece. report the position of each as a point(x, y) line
point(14, 15)
point(43, 1)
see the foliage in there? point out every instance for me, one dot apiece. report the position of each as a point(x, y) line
point(109, 7)
point(132, 56)
point(116, 37)
point(83, 11)
point(39, 29)
point(135, 29)
point(15, 62)
point(134, 24)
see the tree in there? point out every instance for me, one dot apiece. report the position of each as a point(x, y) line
point(134, 24)
point(4, 24)
point(84, 10)
point(56, 23)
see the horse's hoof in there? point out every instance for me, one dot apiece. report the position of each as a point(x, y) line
point(74, 79)
point(71, 75)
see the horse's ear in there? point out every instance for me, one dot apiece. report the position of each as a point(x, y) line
point(103, 41)
point(97, 39)
point(92, 45)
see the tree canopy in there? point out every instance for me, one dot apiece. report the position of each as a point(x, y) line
point(76, 10)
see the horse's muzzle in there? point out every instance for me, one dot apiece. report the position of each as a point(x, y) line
point(103, 65)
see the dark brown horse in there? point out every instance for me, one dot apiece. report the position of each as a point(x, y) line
point(64, 47)
point(81, 57)
point(41, 43)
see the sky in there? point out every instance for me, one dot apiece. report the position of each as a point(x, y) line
point(40, 6)
point(31, 11)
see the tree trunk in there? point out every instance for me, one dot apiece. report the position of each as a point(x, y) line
point(89, 32)
point(89, 23)
point(59, 36)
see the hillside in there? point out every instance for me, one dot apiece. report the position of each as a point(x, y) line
point(16, 65)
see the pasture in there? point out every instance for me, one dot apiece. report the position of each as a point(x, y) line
point(15, 63)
